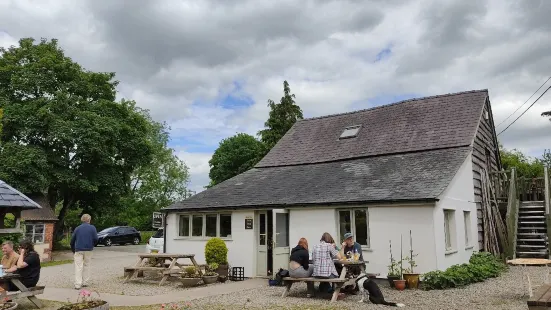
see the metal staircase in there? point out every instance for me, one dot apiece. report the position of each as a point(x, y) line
point(532, 239)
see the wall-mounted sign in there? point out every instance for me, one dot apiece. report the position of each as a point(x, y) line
point(248, 222)
point(157, 220)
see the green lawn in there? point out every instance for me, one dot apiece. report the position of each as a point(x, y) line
point(56, 263)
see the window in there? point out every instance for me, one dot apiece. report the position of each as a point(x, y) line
point(205, 225)
point(350, 132)
point(35, 232)
point(467, 222)
point(449, 229)
point(357, 222)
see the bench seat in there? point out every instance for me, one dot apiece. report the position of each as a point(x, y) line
point(336, 280)
point(541, 300)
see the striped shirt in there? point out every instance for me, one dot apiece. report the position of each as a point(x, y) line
point(322, 256)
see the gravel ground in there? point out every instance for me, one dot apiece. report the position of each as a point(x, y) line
point(107, 275)
point(504, 293)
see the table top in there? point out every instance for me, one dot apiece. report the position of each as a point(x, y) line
point(8, 276)
point(164, 255)
point(350, 263)
point(529, 261)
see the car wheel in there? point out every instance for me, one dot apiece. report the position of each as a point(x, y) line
point(108, 242)
point(136, 241)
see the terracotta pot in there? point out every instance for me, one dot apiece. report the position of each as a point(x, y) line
point(188, 282)
point(391, 280)
point(412, 280)
point(400, 284)
point(210, 279)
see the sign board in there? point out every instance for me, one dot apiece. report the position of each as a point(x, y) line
point(157, 220)
point(248, 222)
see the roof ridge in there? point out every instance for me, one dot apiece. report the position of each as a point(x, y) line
point(394, 103)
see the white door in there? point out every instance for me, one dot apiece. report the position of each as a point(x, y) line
point(262, 244)
point(281, 248)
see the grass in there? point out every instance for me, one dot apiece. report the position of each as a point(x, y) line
point(56, 263)
point(146, 235)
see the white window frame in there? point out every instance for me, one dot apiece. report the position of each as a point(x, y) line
point(449, 231)
point(204, 230)
point(34, 233)
point(353, 225)
point(467, 223)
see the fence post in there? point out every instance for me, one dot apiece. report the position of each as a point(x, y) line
point(546, 188)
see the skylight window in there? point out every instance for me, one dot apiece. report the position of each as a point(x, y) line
point(350, 132)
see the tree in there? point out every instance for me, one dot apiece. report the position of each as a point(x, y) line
point(526, 166)
point(546, 114)
point(78, 144)
point(282, 117)
point(233, 156)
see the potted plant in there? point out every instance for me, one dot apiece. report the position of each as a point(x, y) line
point(175, 306)
point(412, 278)
point(210, 276)
point(5, 304)
point(216, 251)
point(86, 301)
point(400, 284)
point(190, 277)
point(393, 268)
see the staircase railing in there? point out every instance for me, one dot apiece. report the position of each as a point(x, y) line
point(547, 189)
point(512, 216)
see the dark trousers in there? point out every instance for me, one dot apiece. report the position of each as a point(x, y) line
point(324, 286)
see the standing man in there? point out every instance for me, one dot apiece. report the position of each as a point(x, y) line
point(83, 240)
point(9, 257)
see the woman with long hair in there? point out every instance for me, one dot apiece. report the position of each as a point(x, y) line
point(28, 265)
point(322, 256)
point(299, 264)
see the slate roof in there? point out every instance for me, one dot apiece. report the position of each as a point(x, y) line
point(412, 125)
point(406, 151)
point(10, 197)
point(44, 214)
point(400, 177)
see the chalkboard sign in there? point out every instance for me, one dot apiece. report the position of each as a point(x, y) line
point(157, 220)
point(248, 223)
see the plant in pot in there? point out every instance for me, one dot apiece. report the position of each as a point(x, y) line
point(393, 268)
point(216, 251)
point(86, 301)
point(412, 278)
point(190, 276)
point(210, 276)
point(400, 284)
point(6, 304)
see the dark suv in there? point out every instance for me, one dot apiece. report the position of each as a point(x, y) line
point(119, 235)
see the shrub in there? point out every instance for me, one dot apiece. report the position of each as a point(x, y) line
point(481, 266)
point(146, 235)
point(216, 251)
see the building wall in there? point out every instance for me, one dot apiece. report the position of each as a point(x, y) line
point(458, 196)
point(241, 247)
point(485, 140)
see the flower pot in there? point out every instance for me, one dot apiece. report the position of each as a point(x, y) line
point(412, 280)
point(400, 284)
point(391, 280)
point(87, 305)
point(210, 279)
point(222, 270)
point(188, 282)
point(10, 305)
point(222, 279)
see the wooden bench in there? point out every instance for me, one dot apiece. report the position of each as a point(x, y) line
point(37, 290)
point(541, 300)
point(288, 281)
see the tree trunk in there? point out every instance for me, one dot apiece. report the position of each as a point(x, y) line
point(67, 203)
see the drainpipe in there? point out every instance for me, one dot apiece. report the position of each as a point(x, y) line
point(546, 185)
point(164, 232)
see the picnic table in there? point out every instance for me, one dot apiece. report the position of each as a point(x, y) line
point(167, 264)
point(343, 279)
point(24, 291)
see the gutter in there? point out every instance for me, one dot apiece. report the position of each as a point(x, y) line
point(164, 232)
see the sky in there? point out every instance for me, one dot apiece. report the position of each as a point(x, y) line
point(207, 68)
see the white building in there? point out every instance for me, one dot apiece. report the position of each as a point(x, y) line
point(413, 165)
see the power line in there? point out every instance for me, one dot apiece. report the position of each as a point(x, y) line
point(548, 88)
point(524, 103)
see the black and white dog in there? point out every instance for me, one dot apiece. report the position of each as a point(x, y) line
point(369, 287)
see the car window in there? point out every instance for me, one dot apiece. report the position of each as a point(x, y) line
point(108, 230)
point(158, 234)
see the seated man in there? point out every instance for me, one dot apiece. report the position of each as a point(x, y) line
point(28, 266)
point(9, 257)
point(352, 247)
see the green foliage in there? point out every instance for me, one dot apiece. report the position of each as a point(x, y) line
point(233, 156)
point(481, 266)
point(64, 133)
point(146, 235)
point(13, 237)
point(216, 252)
point(526, 166)
point(282, 117)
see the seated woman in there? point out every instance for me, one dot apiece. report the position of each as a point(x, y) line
point(28, 265)
point(324, 266)
point(299, 264)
